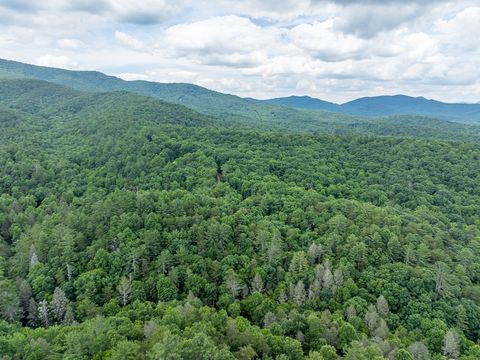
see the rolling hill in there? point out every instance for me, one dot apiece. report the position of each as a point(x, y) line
point(38, 90)
point(47, 100)
point(43, 99)
point(228, 107)
point(291, 113)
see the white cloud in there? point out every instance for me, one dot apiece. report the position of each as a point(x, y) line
point(368, 19)
point(133, 76)
point(321, 40)
point(221, 34)
point(6, 39)
point(145, 12)
point(333, 49)
point(56, 61)
point(174, 74)
point(273, 10)
point(70, 43)
point(461, 31)
point(128, 41)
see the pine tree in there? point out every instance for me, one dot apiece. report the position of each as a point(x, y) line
point(33, 258)
point(298, 266)
point(24, 295)
point(327, 278)
point(124, 289)
point(314, 289)
point(441, 274)
point(350, 312)
point(69, 272)
point(43, 315)
point(450, 345)
point(299, 293)
point(257, 283)
point(282, 297)
point(32, 313)
point(69, 318)
point(234, 284)
point(59, 304)
point(314, 253)
point(372, 320)
point(9, 301)
point(419, 351)
point(337, 280)
point(269, 319)
point(381, 330)
point(382, 306)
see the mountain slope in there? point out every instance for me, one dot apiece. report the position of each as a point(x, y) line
point(305, 102)
point(41, 98)
point(8, 117)
point(387, 106)
point(406, 105)
point(271, 113)
point(32, 95)
point(210, 102)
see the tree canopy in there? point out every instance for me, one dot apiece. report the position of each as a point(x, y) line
point(132, 228)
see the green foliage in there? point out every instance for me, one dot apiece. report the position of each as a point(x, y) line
point(167, 290)
point(131, 228)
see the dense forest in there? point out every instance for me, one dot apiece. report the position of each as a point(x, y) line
point(133, 228)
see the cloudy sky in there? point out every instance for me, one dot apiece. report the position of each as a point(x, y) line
point(334, 50)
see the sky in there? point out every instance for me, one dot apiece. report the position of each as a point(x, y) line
point(334, 50)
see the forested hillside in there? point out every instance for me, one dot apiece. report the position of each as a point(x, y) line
point(42, 98)
point(228, 107)
point(132, 228)
point(297, 114)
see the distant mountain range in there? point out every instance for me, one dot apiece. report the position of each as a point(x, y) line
point(225, 106)
point(387, 106)
point(35, 92)
point(237, 108)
